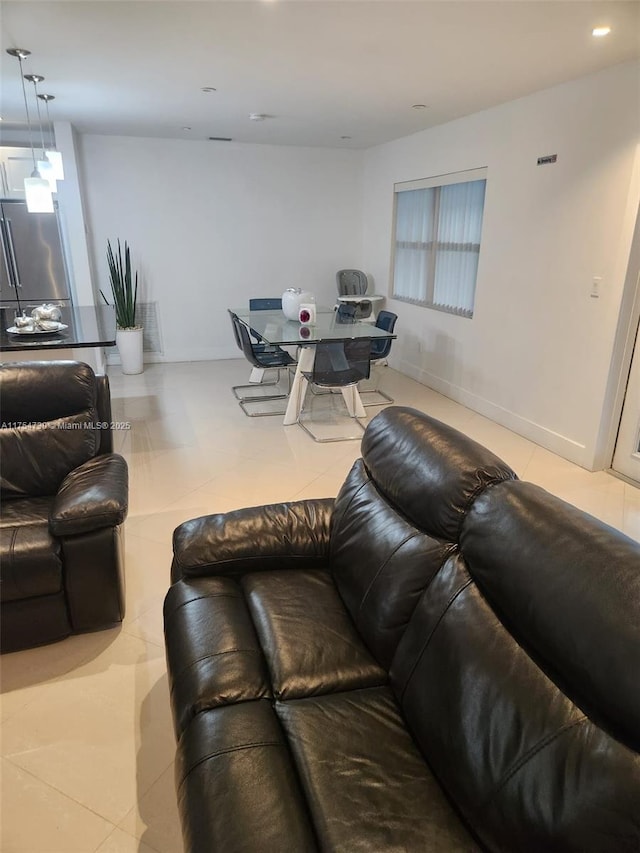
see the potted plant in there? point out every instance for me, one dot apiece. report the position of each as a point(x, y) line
point(124, 289)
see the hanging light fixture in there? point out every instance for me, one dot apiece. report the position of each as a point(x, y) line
point(36, 189)
point(44, 166)
point(53, 156)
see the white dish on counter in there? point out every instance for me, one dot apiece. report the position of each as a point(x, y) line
point(25, 330)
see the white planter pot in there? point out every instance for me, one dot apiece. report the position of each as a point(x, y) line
point(129, 343)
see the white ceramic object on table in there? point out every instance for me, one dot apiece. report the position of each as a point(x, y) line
point(292, 299)
point(307, 313)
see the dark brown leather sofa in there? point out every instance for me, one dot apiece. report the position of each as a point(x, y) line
point(444, 658)
point(64, 499)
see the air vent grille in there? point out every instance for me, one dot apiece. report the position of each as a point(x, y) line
point(147, 316)
point(220, 139)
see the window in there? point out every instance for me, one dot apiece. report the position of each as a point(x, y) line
point(437, 227)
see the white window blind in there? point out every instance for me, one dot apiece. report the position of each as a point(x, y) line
point(438, 224)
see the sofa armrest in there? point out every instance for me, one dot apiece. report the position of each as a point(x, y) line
point(277, 536)
point(92, 496)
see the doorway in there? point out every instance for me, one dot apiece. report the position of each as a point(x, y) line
point(626, 456)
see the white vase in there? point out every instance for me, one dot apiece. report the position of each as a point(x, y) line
point(291, 299)
point(129, 342)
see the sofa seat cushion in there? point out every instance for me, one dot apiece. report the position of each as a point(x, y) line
point(213, 654)
point(236, 781)
point(367, 786)
point(276, 633)
point(308, 639)
point(23, 512)
point(30, 562)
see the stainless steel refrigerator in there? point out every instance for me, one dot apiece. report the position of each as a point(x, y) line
point(33, 268)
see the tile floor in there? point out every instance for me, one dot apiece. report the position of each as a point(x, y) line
point(87, 745)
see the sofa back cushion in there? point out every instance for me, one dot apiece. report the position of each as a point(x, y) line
point(518, 676)
point(428, 470)
point(49, 424)
point(389, 532)
point(381, 563)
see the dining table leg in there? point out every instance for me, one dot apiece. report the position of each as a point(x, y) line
point(353, 401)
point(299, 385)
point(257, 374)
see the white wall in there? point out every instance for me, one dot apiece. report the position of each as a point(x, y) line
point(72, 218)
point(536, 355)
point(212, 224)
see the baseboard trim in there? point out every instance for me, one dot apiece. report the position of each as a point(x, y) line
point(563, 445)
point(212, 354)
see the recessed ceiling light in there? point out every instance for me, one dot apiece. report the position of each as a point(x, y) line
point(186, 128)
point(598, 32)
point(208, 89)
point(345, 137)
point(257, 116)
point(419, 107)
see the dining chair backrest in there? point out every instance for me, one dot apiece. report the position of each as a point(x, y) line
point(257, 354)
point(386, 320)
point(345, 312)
point(234, 318)
point(351, 282)
point(341, 363)
point(242, 334)
point(266, 304)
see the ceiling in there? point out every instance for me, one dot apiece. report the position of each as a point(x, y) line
point(336, 73)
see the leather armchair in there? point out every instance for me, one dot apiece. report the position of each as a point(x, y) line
point(64, 498)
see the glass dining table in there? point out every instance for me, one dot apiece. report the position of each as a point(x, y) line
point(274, 328)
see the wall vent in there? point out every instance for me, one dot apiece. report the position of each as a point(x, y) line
point(147, 316)
point(220, 139)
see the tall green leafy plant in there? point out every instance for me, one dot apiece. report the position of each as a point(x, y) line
point(124, 286)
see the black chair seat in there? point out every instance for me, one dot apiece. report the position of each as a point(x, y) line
point(273, 358)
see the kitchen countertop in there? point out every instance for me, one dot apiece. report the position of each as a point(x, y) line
point(89, 326)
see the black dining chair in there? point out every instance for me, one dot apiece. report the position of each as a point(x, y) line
point(265, 358)
point(380, 350)
point(265, 304)
point(337, 365)
point(345, 312)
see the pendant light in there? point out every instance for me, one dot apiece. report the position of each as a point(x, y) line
point(36, 189)
point(53, 156)
point(44, 166)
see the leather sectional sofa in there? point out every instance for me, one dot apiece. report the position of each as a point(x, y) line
point(443, 658)
point(64, 499)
